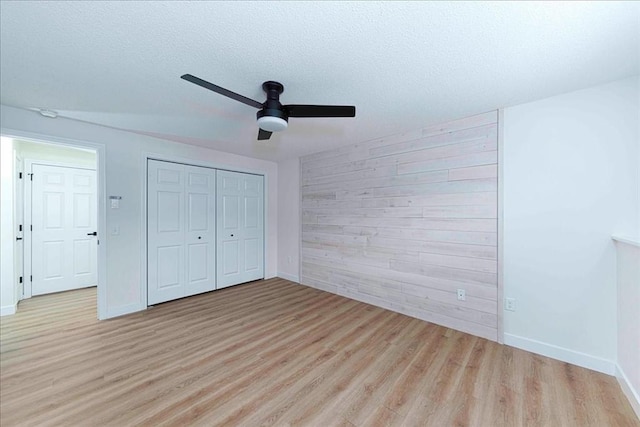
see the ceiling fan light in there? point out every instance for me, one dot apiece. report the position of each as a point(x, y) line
point(272, 124)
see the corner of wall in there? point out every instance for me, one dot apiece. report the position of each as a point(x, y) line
point(124, 309)
point(633, 396)
point(292, 277)
point(561, 353)
point(500, 295)
point(7, 310)
point(289, 219)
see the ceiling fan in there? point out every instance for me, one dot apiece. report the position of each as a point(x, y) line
point(272, 115)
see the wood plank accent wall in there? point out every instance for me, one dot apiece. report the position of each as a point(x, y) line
point(403, 222)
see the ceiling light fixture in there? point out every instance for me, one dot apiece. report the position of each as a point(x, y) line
point(48, 113)
point(272, 124)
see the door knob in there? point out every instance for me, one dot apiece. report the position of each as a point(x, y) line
point(18, 238)
point(232, 235)
point(95, 233)
point(199, 237)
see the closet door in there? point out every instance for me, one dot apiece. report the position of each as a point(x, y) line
point(181, 231)
point(200, 237)
point(240, 229)
point(165, 232)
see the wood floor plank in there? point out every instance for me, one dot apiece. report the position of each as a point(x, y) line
point(276, 353)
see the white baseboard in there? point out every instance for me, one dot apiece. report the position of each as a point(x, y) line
point(292, 277)
point(124, 309)
point(563, 354)
point(632, 394)
point(7, 310)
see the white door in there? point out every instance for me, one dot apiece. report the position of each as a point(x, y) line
point(64, 219)
point(181, 231)
point(240, 228)
point(165, 232)
point(200, 239)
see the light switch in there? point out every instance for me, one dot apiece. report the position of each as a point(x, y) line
point(115, 230)
point(115, 203)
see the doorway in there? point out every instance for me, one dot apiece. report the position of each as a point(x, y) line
point(58, 217)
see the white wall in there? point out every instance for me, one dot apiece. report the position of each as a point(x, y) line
point(570, 181)
point(7, 235)
point(628, 367)
point(289, 219)
point(124, 177)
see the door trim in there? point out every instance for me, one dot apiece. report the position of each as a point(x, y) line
point(18, 219)
point(28, 233)
point(146, 156)
point(101, 195)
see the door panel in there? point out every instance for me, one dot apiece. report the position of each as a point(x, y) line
point(53, 265)
point(168, 207)
point(230, 182)
point(81, 256)
point(181, 231)
point(230, 264)
point(198, 219)
point(82, 210)
point(53, 210)
point(240, 228)
point(251, 252)
point(64, 211)
point(165, 232)
point(231, 212)
point(198, 262)
point(252, 212)
point(200, 237)
point(169, 267)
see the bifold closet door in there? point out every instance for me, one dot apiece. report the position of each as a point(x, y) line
point(240, 230)
point(181, 231)
point(200, 237)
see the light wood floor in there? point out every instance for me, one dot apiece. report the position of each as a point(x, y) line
point(277, 353)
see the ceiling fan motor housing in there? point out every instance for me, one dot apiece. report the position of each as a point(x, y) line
point(272, 117)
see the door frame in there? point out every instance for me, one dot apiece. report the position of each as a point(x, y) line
point(144, 161)
point(101, 197)
point(28, 233)
point(18, 219)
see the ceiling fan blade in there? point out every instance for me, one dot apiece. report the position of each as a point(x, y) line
point(264, 134)
point(222, 91)
point(320, 110)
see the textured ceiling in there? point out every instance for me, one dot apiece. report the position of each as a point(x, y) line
point(404, 65)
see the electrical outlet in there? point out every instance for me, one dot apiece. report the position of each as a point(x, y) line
point(462, 295)
point(510, 304)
